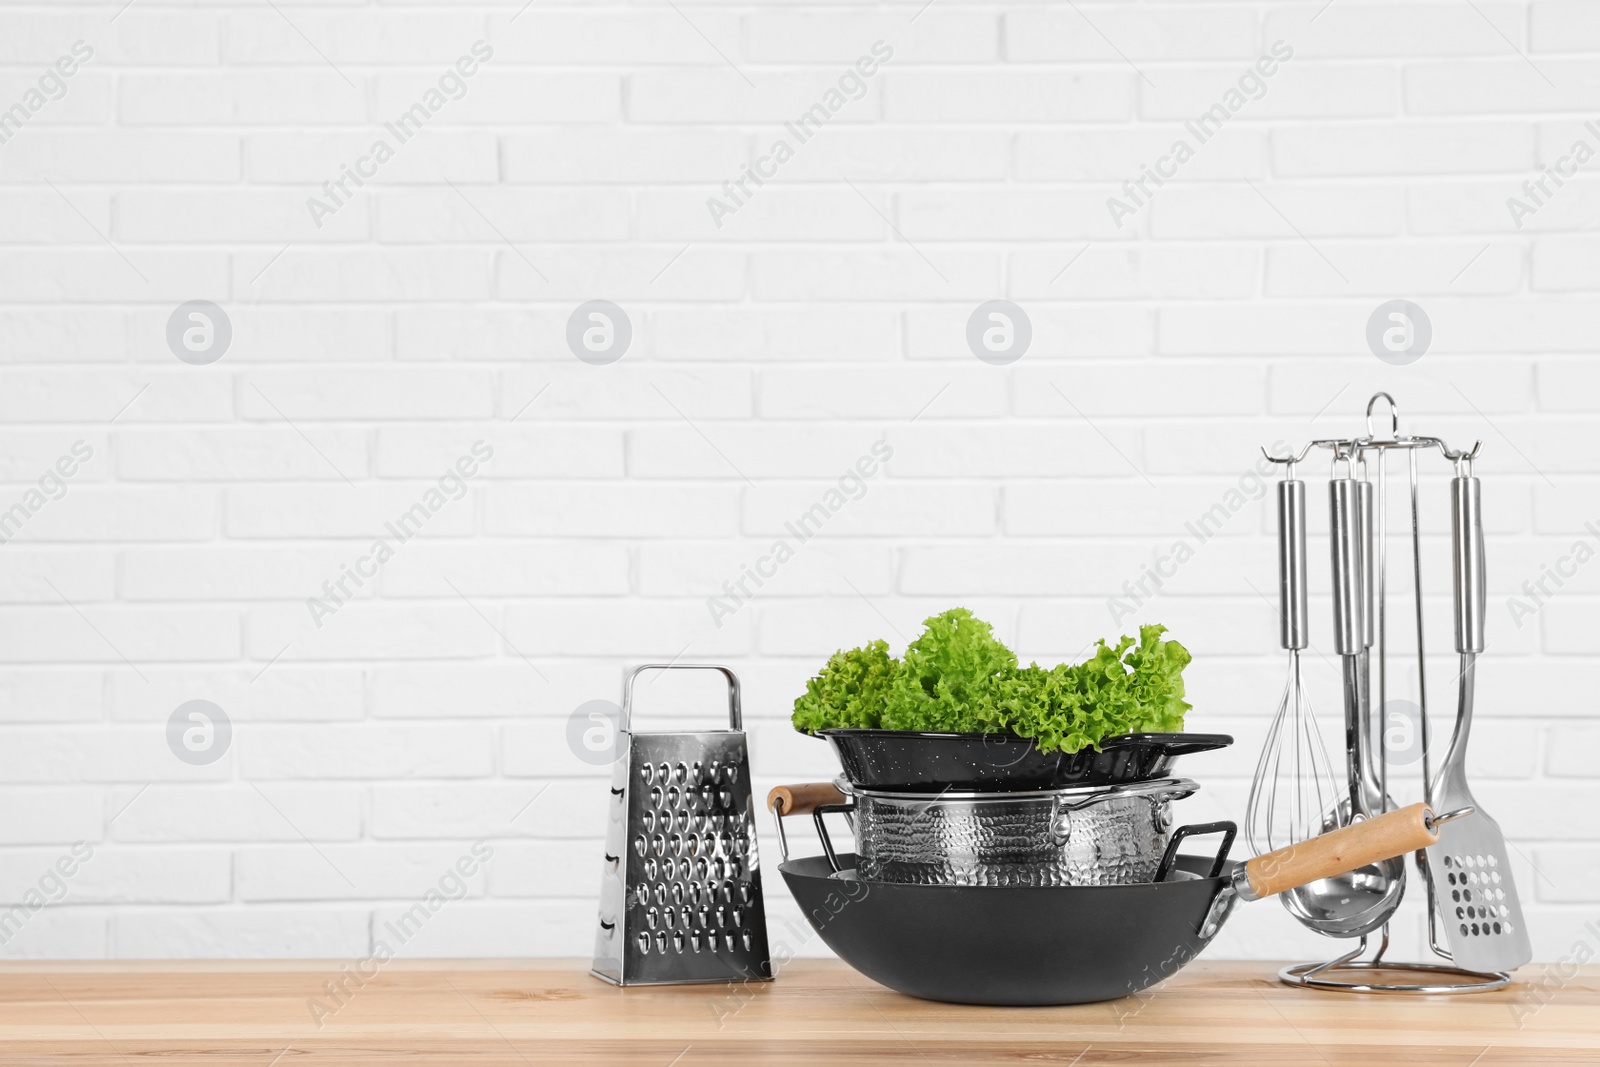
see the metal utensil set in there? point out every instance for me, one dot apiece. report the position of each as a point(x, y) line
point(1473, 905)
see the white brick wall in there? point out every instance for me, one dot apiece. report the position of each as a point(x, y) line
point(430, 311)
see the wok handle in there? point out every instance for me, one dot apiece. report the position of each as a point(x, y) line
point(1346, 849)
point(803, 799)
point(1227, 828)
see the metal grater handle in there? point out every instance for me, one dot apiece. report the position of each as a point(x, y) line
point(735, 717)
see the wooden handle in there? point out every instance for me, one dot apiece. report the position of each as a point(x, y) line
point(803, 799)
point(1379, 838)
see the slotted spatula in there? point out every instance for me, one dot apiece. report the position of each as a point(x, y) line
point(1473, 889)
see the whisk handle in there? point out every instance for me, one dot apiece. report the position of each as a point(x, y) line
point(1292, 563)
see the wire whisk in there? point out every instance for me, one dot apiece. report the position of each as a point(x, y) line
point(1294, 790)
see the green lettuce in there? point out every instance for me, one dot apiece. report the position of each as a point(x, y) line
point(958, 677)
point(850, 691)
point(948, 675)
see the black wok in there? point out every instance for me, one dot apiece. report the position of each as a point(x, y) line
point(1027, 945)
point(1038, 945)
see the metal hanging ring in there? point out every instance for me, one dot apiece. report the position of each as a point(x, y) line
point(1394, 417)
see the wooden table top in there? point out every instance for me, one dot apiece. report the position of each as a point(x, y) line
point(511, 1013)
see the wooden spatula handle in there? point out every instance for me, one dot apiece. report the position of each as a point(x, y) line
point(804, 799)
point(1345, 849)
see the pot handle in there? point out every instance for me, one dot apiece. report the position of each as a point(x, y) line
point(1228, 829)
point(803, 799)
point(812, 798)
point(1346, 849)
point(1169, 745)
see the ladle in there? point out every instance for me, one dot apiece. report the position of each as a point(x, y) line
point(1360, 901)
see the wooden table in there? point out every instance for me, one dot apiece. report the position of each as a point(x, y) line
point(507, 1013)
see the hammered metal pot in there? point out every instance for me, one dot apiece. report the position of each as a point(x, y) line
point(1060, 837)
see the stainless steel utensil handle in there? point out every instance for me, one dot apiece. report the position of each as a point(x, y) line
point(1294, 630)
point(1466, 523)
point(1366, 524)
point(1344, 539)
point(735, 716)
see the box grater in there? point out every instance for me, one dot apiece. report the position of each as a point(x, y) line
point(680, 896)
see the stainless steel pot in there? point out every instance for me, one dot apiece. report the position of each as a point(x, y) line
point(1109, 835)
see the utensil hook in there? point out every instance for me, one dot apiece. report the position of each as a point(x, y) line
point(1394, 418)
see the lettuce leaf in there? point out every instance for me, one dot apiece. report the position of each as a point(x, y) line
point(948, 675)
point(958, 677)
point(851, 691)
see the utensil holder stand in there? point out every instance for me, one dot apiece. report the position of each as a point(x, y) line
point(1426, 976)
point(1320, 975)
